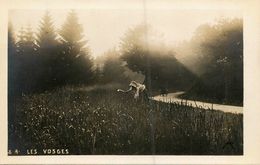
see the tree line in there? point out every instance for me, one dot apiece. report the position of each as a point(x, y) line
point(48, 59)
point(209, 66)
point(54, 58)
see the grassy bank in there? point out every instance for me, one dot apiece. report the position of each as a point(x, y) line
point(106, 122)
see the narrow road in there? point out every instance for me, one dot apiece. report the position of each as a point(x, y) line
point(173, 97)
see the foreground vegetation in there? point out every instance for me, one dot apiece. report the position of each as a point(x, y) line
point(106, 122)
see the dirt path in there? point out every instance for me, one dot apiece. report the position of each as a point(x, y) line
point(173, 97)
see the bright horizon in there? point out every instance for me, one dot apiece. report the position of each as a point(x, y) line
point(104, 28)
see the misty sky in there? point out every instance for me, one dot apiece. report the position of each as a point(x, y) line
point(104, 28)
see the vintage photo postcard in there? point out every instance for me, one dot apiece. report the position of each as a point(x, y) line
point(113, 82)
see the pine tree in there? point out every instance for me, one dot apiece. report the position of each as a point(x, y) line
point(72, 36)
point(76, 57)
point(21, 41)
point(26, 41)
point(29, 38)
point(48, 53)
point(46, 37)
point(27, 60)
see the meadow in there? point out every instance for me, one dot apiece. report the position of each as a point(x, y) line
point(106, 122)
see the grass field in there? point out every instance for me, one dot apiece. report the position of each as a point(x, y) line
point(106, 122)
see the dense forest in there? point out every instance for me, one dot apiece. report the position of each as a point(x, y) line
point(208, 67)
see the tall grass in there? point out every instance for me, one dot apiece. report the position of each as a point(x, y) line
point(106, 122)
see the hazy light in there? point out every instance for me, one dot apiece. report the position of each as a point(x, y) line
point(104, 28)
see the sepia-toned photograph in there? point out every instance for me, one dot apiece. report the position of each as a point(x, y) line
point(125, 82)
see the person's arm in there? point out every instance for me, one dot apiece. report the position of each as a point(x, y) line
point(121, 90)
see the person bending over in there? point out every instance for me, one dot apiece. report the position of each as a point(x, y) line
point(138, 88)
